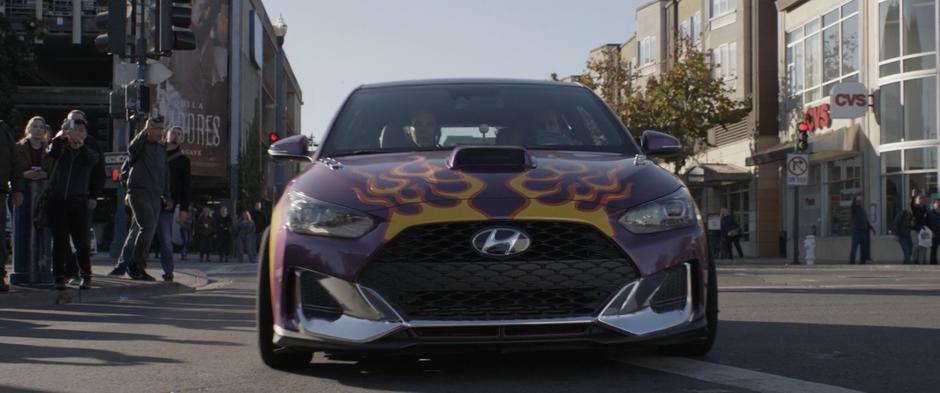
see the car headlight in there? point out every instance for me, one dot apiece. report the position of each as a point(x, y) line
point(676, 210)
point(312, 217)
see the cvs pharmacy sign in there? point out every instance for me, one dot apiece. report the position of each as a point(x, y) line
point(848, 100)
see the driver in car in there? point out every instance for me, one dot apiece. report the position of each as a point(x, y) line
point(549, 130)
point(423, 130)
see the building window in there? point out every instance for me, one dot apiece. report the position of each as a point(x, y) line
point(721, 7)
point(906, 170)
point(907, 31)
point(691, 29)
point(822, 52)
point(647, 49)
point(725, 60)
point(917, 118)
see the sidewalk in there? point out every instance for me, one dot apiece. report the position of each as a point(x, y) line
point(188, 276)
point(778, 262)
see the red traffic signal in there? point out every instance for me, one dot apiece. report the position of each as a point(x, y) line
point(272, 137)
point(804, 126)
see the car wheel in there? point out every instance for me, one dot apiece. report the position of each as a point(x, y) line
point(272, 355)
point(701, 346)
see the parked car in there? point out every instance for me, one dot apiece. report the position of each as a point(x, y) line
point(486, 214)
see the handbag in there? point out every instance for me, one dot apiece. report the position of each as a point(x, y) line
point(925, 238)
point(40, 216)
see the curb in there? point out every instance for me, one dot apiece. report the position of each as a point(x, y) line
point(116, 289)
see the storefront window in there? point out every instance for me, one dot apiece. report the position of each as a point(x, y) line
point(919, 25)
point(845, 182)
point(892, 126)
point(889, 20)
point(920, 108)
point(919, 173)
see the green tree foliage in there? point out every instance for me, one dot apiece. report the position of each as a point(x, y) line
point(16, 60)
point(685, 100)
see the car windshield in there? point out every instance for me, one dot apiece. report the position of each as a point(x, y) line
point(439, 117)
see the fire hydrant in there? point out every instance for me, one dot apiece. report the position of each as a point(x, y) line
point(809, 246)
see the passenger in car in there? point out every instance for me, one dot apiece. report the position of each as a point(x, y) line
point(549, 130)
point(423, 129)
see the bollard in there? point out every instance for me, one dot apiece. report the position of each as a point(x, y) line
point(809, 246)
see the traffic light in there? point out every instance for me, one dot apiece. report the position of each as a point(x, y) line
point(114, 24)
point(175, 20)
point(272, 137)
point(802, 137)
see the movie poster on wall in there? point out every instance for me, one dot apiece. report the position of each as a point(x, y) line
point(196, 96)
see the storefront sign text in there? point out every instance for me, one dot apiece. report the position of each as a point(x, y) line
point(817, 117)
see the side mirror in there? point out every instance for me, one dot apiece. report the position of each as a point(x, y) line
point(655, 143)
point(297, 147)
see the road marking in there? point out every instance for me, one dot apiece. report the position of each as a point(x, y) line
point(732, 376)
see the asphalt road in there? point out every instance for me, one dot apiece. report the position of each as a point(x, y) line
point(821, 329)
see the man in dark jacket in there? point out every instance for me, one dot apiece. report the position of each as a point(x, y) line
point(902, 229)
point(147, 192)
point(860, 232)
point(11, 179)
point(67, 203)
point(95, 184)
point(262, 218)
point(179, 180)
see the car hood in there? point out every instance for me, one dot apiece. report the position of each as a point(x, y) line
point(377, 182)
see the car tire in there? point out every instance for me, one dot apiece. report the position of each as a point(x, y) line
point(272, 355)
point(701, 346)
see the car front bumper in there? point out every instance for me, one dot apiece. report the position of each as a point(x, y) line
point(368, 322)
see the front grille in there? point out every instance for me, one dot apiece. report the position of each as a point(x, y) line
point(314, 297)
point(433, 272)
point(671, 294)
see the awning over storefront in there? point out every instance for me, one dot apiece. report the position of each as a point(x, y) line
point(831, 145)
point(714, 174)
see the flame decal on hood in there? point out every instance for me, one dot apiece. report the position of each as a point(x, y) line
point(401, 191)
point(572, 191)
point(557, 190)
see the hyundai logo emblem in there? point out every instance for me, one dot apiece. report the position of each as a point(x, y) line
point(501, 242)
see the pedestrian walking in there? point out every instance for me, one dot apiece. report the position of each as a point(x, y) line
point(262, 218)
point(187, 225)
point(901, 227)
point(223, 233)
point(11, 186)
point(247, 237)
point(919, 229)
point(177, 169)
point(95, 187)
point(33, 240)
point(861, 229)
point(730, 235)
point(933, 222)
point(205, 232)
point(67, 199)
point(147, 192)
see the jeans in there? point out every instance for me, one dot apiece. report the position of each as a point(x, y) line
point(860, 239)
point(165, 236)
point(146, 208)
point(248, 242)
point(4, 254)
point(906, 245)
point(128, 248)
point(69, 218)
point(186, 237)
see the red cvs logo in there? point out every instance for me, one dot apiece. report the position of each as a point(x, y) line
point(817, 117)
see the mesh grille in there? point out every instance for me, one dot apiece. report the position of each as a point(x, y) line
point(671, 293)
point(313, 297)
point(433, 272)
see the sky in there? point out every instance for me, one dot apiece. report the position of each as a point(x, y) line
point(335, 46)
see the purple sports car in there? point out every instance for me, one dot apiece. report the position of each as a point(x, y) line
point(501, 214)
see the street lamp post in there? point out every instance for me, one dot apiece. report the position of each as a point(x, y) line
point(280, 31)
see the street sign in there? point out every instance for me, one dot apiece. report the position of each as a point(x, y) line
point(797, 169)
point(848, 100)
point(115, 158)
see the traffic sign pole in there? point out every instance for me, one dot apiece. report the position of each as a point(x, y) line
point(797, 167)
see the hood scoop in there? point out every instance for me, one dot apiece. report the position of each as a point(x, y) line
point(490, 159)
